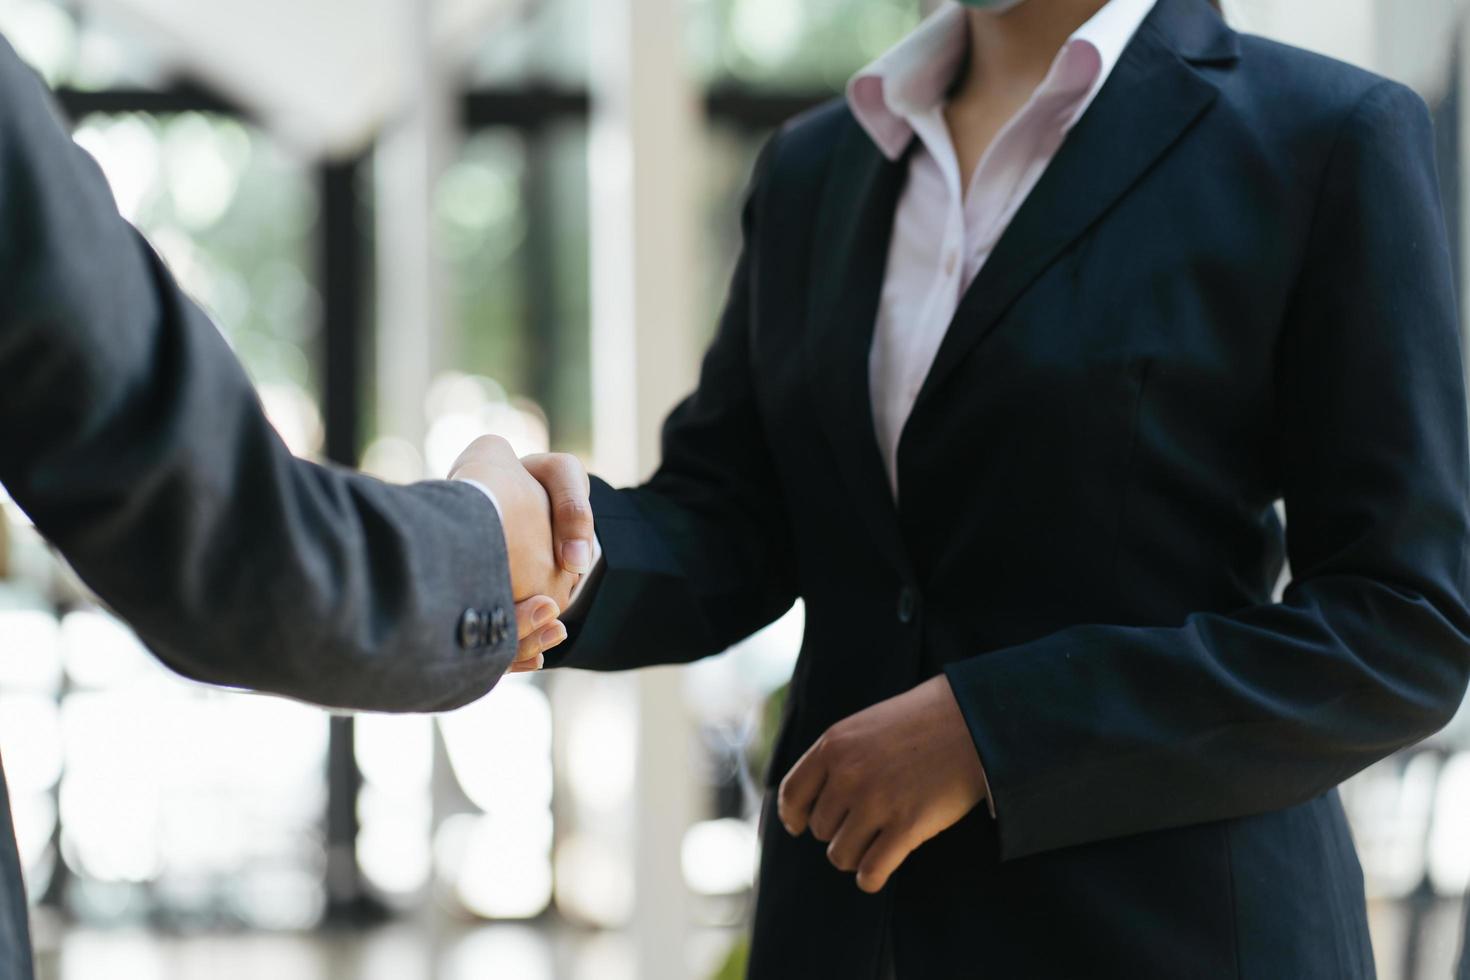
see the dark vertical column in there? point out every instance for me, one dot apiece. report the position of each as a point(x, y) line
point(342, 269)
point(1464, 973)
point(538, 268)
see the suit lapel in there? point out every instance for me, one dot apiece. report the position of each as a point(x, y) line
point(849, 259)
point(1148, 102)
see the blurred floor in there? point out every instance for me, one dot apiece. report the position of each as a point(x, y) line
point(403, 951)
point(452, 951)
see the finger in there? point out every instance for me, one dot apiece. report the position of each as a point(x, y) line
point(799, 791)
point(532, 652)
point(553, 636)
point(486, 449)
point(828, 812)
point(533, 614)
point(851, 842)
point(883, 857)
point(569, 491)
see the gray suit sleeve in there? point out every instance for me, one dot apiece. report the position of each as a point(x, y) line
point(132, 438)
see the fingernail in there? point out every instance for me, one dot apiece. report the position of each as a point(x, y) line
point(544, 614)
point(552, 635)
point(576, 556)
point(540, 661)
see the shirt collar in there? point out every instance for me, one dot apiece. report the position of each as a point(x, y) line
point(913, 77)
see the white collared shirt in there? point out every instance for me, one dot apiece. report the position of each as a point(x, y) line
point(943, 235)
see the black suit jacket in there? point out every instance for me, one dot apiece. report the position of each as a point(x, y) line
point(130, 435)
point(1231, 288)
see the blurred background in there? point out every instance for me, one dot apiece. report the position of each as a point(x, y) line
point(417, 221)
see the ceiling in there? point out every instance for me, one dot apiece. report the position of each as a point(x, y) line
point(323, 75)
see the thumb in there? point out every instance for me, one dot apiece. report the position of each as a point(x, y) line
point(569, 491)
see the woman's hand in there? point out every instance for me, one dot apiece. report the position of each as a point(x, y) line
point(535, 534)
point(568, 489)
point(882, 782)
point(539, 631)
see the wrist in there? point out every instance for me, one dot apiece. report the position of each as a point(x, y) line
point(490, 494)
point(957, 733)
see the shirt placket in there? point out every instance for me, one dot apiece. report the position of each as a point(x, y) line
point(948, 280)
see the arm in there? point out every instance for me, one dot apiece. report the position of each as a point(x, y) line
point(1104, 731)
point(135, 442)
point(700, 556)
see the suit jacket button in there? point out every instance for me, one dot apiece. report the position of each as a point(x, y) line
point(908, 604)
point(497, 626)
point(471, 630)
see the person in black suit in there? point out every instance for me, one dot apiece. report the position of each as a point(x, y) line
point(132, 438)
point(1050, 706)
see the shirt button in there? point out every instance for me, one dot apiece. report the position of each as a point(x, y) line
point(908, 605)
point(471, 630)
point(949, 264)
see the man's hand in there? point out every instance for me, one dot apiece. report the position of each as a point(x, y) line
point(538, 630)
point(882, 782)
point(526, 515)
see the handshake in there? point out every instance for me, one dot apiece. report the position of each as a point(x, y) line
point(547, 518)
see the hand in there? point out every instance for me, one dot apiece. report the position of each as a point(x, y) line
point(882, 782)
point(566, 483)
point(526, 515)
point(539, 631)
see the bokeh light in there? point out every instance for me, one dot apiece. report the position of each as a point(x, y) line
point(719, 857)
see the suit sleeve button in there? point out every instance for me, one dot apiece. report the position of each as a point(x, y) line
point(471, 630)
